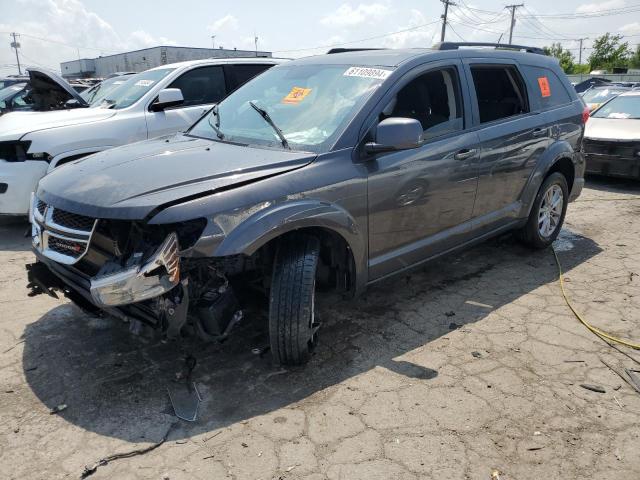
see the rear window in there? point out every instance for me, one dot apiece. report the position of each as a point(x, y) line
point(548, 90)
point(500, 92)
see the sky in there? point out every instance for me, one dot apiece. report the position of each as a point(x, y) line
point(53, 31)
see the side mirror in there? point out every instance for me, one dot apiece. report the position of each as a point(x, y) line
point(395, 134)
point(168, 97)
point(72, 103)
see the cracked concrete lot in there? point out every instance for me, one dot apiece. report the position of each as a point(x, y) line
point(470, 366)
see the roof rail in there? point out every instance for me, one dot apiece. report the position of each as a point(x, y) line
point(343, 50)
point(497, 46)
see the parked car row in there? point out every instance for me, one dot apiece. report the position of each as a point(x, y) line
point(326, 173)
point(156, 102)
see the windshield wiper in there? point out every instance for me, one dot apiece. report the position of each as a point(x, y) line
point(216, 127)
point(263, 113)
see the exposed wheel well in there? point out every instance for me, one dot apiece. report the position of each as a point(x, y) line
point(565, 166)
point(336, 269)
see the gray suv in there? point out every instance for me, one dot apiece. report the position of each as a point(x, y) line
point(325, 173)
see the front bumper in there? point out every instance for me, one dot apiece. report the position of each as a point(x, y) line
point(613, 165)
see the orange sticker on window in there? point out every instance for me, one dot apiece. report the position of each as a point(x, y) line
point(296, 95)
point(545, 89)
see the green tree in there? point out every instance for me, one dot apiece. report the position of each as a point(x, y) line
point(634, 60)
point(608, 52)
point(565, 57)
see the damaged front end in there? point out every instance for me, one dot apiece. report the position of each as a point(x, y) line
point(133, 271)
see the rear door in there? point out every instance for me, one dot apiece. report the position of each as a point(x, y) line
point(513, 137)
point(201, 88)
point(419, 200)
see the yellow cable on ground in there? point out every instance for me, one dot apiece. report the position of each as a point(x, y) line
point(593, 329)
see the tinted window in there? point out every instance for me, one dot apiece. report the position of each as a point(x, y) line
point(500, 92)
point(555, 94)
point(433, 99)
point(201, 85)
point(244, 73)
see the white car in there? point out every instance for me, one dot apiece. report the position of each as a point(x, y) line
point(159, 101)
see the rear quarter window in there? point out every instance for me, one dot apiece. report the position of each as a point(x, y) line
point(547, 89)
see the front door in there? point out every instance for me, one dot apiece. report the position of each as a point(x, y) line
point(201, 88)
point(419, 200)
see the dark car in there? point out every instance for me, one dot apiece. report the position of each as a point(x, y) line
point(326, 173)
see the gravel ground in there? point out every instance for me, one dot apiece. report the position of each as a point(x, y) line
point(471, 366)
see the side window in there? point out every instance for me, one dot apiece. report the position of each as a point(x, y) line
point(201, 85)
point(244, 73)
point(433, 99)
point(548, 89)
point(500, 92)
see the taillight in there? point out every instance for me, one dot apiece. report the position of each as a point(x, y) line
point(585, 114)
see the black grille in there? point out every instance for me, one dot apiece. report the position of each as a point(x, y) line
point(66, 247)
point(602, 147)
point(72, 220)
point(40, 206)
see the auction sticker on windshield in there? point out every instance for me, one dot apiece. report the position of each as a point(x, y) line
point(296, 95)
point(366, 72)
point(144, 83)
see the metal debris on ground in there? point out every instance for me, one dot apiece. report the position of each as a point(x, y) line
point(58, 409)
point(185, 400)
point(593, 388)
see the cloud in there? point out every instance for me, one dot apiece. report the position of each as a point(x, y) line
point(55, 31)
point(347, 16)
point(599, 7)
point(630, 28)
point(143, 39)
point(420, 37)
point(228, 23)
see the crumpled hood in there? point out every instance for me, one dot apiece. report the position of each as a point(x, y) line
point(612, 129)
point(132, 181)
point(14, 125)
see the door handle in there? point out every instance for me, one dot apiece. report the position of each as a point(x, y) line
point(540, 132)
point(464, 154)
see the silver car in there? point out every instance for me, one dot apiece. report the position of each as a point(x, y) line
point(612, 137)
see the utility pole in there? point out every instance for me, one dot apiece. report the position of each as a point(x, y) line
point(16, 45)
point(580, 54)
point(255, 39)
point(444, 17)
point(213, 41)
point(513, 19)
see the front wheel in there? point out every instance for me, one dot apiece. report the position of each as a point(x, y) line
point(292, 323)
point(547, 214)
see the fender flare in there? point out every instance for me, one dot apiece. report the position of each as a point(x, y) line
point(556, 152)
point(272, 222)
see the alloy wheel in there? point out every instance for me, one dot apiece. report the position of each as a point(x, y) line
point(550, 211)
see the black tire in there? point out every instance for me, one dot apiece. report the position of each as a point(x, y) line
point(292, 299)
point(530, 234)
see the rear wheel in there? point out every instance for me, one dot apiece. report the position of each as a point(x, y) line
point(547, 214)
point(292, 321)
